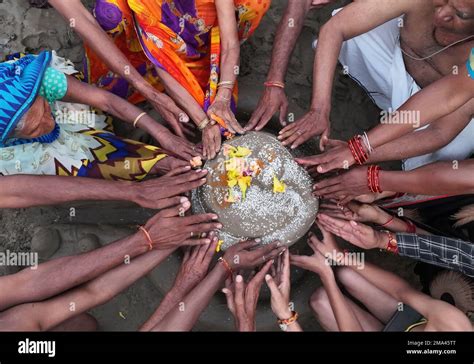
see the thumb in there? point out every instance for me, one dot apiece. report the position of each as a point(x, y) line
point(272, 286)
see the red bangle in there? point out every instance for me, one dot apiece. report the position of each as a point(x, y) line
point(392, 246)
point(373, 179)
point(389, 221)
point(411, 227)
point(357, 150)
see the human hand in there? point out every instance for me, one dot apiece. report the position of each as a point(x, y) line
point(280, 287)
point(179, 146)
point(167, 108)
point(273, 100)
point(338, 156)
point(170, 228)
point(211, 140)
point(357, 211)
point(320, 261)
point(315, 122)
point(242, 298)
point(249, 254)
point(221, 109)
point(355, 233)
point(194, 266)
point(344, 187)
point(163, 192)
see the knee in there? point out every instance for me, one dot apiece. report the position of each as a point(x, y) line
point(319, 301)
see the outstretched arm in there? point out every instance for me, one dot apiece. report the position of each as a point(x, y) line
point(80, 92)
point(50, 313)
point(274, 98)
point(20, 191)
point(444, 101)
point(58, 275)
point(91, 33)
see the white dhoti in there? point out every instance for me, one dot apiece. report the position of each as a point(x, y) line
point(375, 61)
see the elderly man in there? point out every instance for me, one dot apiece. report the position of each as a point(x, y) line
point(393, 49)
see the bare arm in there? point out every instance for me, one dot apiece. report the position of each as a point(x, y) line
point(48, 314)
point(184, 316)
point(58, 275)
point(440, 315)
point(441, 178)
point(20, 191)
point(444, 101)
point(91, 33)
point(415, 143)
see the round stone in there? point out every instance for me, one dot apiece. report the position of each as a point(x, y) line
point(284, 216)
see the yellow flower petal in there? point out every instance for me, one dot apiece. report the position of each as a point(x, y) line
point(278, 186)
point(240, 152)
point(219, 245)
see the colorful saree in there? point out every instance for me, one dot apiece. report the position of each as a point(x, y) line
point(179, 36)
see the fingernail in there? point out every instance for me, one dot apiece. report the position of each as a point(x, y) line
point(219, 226)
point(183, 200)
point(268, 277)
point(198, 170)
point(224, 290)
point(215, 217)
point(273, 261)
point(187, 168)
point(207, 241)
point(320, 170)
point(203, 179)
point(258, 240)
point(239, 278)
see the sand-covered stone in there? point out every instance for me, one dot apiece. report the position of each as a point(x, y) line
point(285, 216)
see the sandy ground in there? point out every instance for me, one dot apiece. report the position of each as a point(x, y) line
point(52, 231)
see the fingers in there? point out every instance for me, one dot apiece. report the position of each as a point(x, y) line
point(239, 295)
point(273, 286)
point(198, 229)
point(247, 244)
point(311, 161)
point(235, 124)
point(230, 300)
point(257, 280)
point(326, 234)
point(194, 242)
point(176, 210)
point(323, 141)
point(198, 219)
point(265, 119)
point(255, 119)
point(210, 252)
point(283, 113)
point(285, 270)
point(178, 171)
point(300, 261)
point(172, 201)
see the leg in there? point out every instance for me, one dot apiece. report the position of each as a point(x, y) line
point(83, 322)
point(319, 302)
point(379, 303)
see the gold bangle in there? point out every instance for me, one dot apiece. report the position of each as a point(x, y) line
point(205, 122)
point(138, 119)
point(226, 83)
point(148, 237)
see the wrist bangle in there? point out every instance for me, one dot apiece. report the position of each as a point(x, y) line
point(226, 84)
point(389, 221)
point(274, 84)
point(285, 323)
point(373, 179)
point(138, 119)
point(411, 227)
point(392, 246)
point(148, 237)
point(226, 265)
point(205, 122)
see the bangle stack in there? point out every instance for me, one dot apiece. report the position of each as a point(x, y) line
point(392, 246)
point(373, 179)
point(274, 84)
point(357, 150)
point(226, 84)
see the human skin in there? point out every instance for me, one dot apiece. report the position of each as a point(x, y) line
point(440, 178)
point(238, 256)
point(451, 21)
point(274, 98)
point(79, 18)
point(318, 263)
point(167, 231)
point(20, 191)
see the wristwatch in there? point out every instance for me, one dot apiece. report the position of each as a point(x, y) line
point(285, 323)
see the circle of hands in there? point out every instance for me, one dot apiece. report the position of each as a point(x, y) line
point(251, 262)
point(346, 210)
